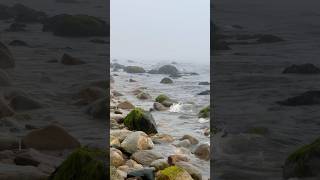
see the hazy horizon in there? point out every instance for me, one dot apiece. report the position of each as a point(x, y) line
point(147, 30)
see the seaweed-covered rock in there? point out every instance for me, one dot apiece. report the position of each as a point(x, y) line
point(52, 137)
point(302, 69)
point(192, 170)
point(307, 98)
point(98, 109)
point(69, 60)
point(143, 96)
point(6, 58)
point(173, 173)
point(269, 38)
point(161, 98)
point(140, 120)
point(134, 69)
point(159, 164)
point(82, 164)
point(168, 69)
point(304, 162)
point(204, 113)
point(166, 81)
point(137, 141)
point(76, 26)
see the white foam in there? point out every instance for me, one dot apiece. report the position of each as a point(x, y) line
point(176, 108)
point(203, 120)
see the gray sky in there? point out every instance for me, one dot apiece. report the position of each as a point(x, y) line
point(160, 30)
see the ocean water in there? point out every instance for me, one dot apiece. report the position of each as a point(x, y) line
point(181, 118)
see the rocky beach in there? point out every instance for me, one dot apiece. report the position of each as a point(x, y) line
point(159, 120)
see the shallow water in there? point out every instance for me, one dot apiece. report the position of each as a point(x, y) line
point(182, 118)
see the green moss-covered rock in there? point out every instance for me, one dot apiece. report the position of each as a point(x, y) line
point(304, 162)
point(140, 120)
point(173, 173)
point(161, 98)
point(82, 164)
point(204, 113)
point(134, 69)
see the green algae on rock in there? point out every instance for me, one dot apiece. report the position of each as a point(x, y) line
point(304, 162)
point(204, 113)
point(161, 98)
point(173, 173)
point(140, 120)
point(134, 69)
point(82, 164)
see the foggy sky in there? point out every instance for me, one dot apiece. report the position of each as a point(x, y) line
point(160, 30)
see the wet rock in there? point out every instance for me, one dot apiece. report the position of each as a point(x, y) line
point(117, 94)
point(76, 26)
point(116, 157)
point(137, 91)
point(69, 60)
point(159, 107)
point(136, 141)
point(173, 159)
point(166, 81)
point(83, 163)
point(153, 71)
point(4, 78)
point(191, 139)
point(302, 69)
point(164, 100)
point(145, 174)
point(173, 173)
point(268, 38)
point(168, 69)
point(203, 152)
point(18, 43)
point(143, 96)
point(24, 14)
point(159, 164)
point(125, 105)
point(117, 66)
point(98, 109)
point(192, 170)
point(146, 157)
point(204, 113)
point(162, 138)
point(114, 141)
point(32, 157)
point(184, 143)
point(5, 110)
point(90, 94)
point(167, 103)
point(52, 137)
point(206, 92)
point(134, 69)
point(21, 102)
point(121, 134)
point(140, 120)
point(304, 162)
point(307, 98)
point(14, 172)
point(6, 58)
point(131, 80)
point(16, 27)
point(204, 83)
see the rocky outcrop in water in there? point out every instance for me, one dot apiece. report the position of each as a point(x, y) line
point(140, 120)
point(204, 113)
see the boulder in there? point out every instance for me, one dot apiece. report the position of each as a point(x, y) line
point(161, 98)
point(173, 159)
point(184, 143)
point(76, 26)
point(121, 134)
point(166, 81)
point(136, 141)
point(143, 96)
point(125, 105)
point(191, 139)
point(192, 170)
point(153, 71)
point(203, 152)
point(114, 174)
point(14, 172)
point(6, 58)
point(4, 78)
point(159, 164)
point(159, 107)
point(116, 158)
point(204, 113)
point(52, 137)
point(140, 120)
point(168, 69)
point(307, 98)
point(18, 43)
point(162, 138)
point(69, 60)
point(137, 91)
point(146, 157)
point(145, 174)
point(98, 109)
point(21, 102)
point(134, 69)
point(83, 163)
point(302, 69)
point(268, 38)
point(132, 80)
point(114, 141)
point(173, 173)
point(117, 66)
point(304, 162)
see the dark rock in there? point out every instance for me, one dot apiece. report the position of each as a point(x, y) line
point(268, 38)
point(69, 60)
point(145, 174)
point(207, 92)
point(18, 43)
point(140, 120)
point(168, 69)
point(6, 58)
point(76, 26)
point(204, 83)
point(134, 69)
point(302, 69)
point(159, 107)
point(166, 81)
point(16, 27)
point(131, 80)
point(204, 113)
point(307, 98)
point(117, 66)
point(192, 139)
